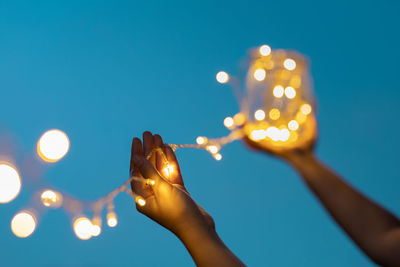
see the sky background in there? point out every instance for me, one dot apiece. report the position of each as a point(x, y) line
point(105, 71)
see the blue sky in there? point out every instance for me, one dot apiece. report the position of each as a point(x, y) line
point(105, 71)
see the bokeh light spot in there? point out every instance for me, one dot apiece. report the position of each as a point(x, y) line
point(10, 183)
point(53, 145)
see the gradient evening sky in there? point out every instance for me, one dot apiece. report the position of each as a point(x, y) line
point(105, 71)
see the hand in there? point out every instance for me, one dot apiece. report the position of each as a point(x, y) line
point(167, 201)
point(305, 148)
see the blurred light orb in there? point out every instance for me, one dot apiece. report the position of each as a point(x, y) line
point(10, 183)
point(273, 133)
point(284, 135)
point(53, 145)
point(293, 125)
point(259, 115)
point(259, 74)
point(51, 198)
point(239, 119)
point(222, 77)
point(218, 156)
point(141, 201)
point(23, 224)
point(278, 91)
point(213, 149)
point(306, 109)
point(83, 228)
point(112, 220)
point(228, 122)
point(274, 114)
point(265, 50)
point(201, 140)
point(257, 135)
point(96, 230)
point(289, 64)
point(290, 92)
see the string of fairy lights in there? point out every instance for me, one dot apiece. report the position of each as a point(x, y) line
point(277, 111)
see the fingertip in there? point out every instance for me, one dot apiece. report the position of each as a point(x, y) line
point(158, 141)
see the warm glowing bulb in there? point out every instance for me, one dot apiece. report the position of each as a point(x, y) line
point(301, 117)
point(290, 92)
point(222, 77)
point(213, 149)
point(259, 115)
point(273, 133)
point(257, 135)
point(10, 183)
point(278, 91)
point(260, 74)
point(218, 156)
point(274, 114)
point(228, 122)
point(96, 230)
point(168, 170)
point(284, 135)
point(293, 125)
point(53, 145)
point(289, 64)
point(23, 224)
point(239, 119)
point(140, 201)
point(201, 140)
point(306, 109)
point(50, 198)
point(112, 220)
point(83, 228)
point(265, 50)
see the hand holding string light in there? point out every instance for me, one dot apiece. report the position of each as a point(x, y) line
point(167, 200)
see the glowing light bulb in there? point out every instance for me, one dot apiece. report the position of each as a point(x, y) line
point(260, 74)
point(259, 115)
point(273, 133)
point(83, 228)
point(218, 156)
point(284, 135)
point(265, 50)
point(257, 135)
point(151, 181)
point(96, 230)
point(222, 77)
point(53, 145)
point(290, 92)
point(168, 170)
point(50, 198)
point(293, 125)
point(23, 224)
point(213, 149)
point(10, 183)
point(306, 109)
point(301, 117)
point(201, 140)
point(112, 220)
point(239, 119)
point(289, 64)
point(274, 114)
point(278, 91)
point(141, 201)
point(228, 122)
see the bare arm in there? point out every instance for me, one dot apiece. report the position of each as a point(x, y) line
point(375, 230)
point(169, 203)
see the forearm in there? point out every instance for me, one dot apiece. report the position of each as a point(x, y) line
point(368, 224)
point(207, 249)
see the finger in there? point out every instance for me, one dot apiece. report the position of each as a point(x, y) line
point(145, 167)
point(135, 150)
point(148, 143)
point(158, 143)
point(175, 176)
